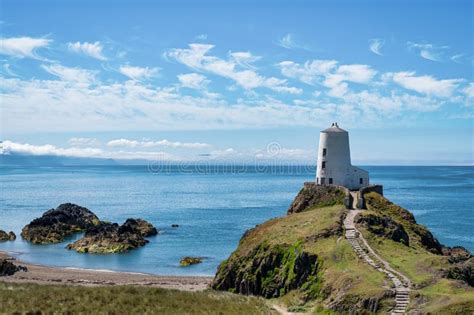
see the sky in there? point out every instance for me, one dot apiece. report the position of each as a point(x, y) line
point(237, 80)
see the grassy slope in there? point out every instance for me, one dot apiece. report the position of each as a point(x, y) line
point(31, 298)
point(433, 293)
point(343, 273)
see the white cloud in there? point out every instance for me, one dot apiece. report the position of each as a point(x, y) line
point(123, 143)
point(356, 73)
point(308, 73)
point(93, 50)
point(469, 90)
point(424, 84)
point(48, 149)
point(193, 81)
point(22, 47)
point(289, 42)
point(138, 73)
point(84, 142)
point(428, 51)
point(12, 148)
point(196, 57)
point(75, 75)
point(161, 143)
point(244, 58)
point(327, 73)
point(375, 46)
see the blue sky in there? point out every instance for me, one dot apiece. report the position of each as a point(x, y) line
point(197, 80)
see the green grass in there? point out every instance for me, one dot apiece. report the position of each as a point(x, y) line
point(57, 299)
point(341, 272)
point(432, 293)
point(447, 297)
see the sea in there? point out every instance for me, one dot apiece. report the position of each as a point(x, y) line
point(213, 206)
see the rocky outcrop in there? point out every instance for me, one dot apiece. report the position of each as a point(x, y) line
point(404, 218)
point(463, 271)
point(187, 261)
point(316, 196)
point(4, 236)
point(270, 271)
point(7, 268)
point(462, 264)
point(54, 225)
point(143, 227)
point(107, 238)
point(384, 226)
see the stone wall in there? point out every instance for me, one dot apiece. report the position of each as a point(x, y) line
point(365, 190)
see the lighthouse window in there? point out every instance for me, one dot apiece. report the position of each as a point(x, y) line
point(323, 165)
point(330, 180)
point(323, 180)
point(324, 151)
point(361, 180)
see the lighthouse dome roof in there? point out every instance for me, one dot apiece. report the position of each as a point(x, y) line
point(334, 128)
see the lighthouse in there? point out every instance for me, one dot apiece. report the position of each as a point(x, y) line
point(334, 161)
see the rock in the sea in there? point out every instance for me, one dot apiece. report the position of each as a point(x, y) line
point(174, 225)
point(4, 236)
point(108, 238)
point(7, 268)
point(187, 261)
point(54, 225)
point(143, 227)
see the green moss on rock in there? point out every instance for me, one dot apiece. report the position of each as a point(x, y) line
point(268, 271)
point(316, 196)
point(187, 261)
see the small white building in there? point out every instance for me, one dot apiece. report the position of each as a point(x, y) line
point(334, 161)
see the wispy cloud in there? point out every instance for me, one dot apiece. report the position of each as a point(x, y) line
point(193, 81)
point(328, 73)
point(425, 84)
point(289, 42)
point(161, 143)
point(469, 91)
point(196, 57)
point(375, 46)
point(138, 73)
point(458, 58)
point(23, 47)
point(428, 51)
point(84, 142)
point(74, 75)
point(93, 50)
point(201, 37)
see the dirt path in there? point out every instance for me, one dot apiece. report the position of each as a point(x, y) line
point(401, 283)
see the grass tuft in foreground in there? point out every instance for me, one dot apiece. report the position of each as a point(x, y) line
point(49, 299)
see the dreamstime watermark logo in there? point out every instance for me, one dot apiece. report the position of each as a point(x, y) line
point(273, 160)
point(273, 148)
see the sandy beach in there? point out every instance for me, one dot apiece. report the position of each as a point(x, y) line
point(85, 277)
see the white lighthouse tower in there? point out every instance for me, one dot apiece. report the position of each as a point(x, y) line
point(334, 161)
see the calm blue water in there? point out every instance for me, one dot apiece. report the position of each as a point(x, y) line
point(212, 208)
